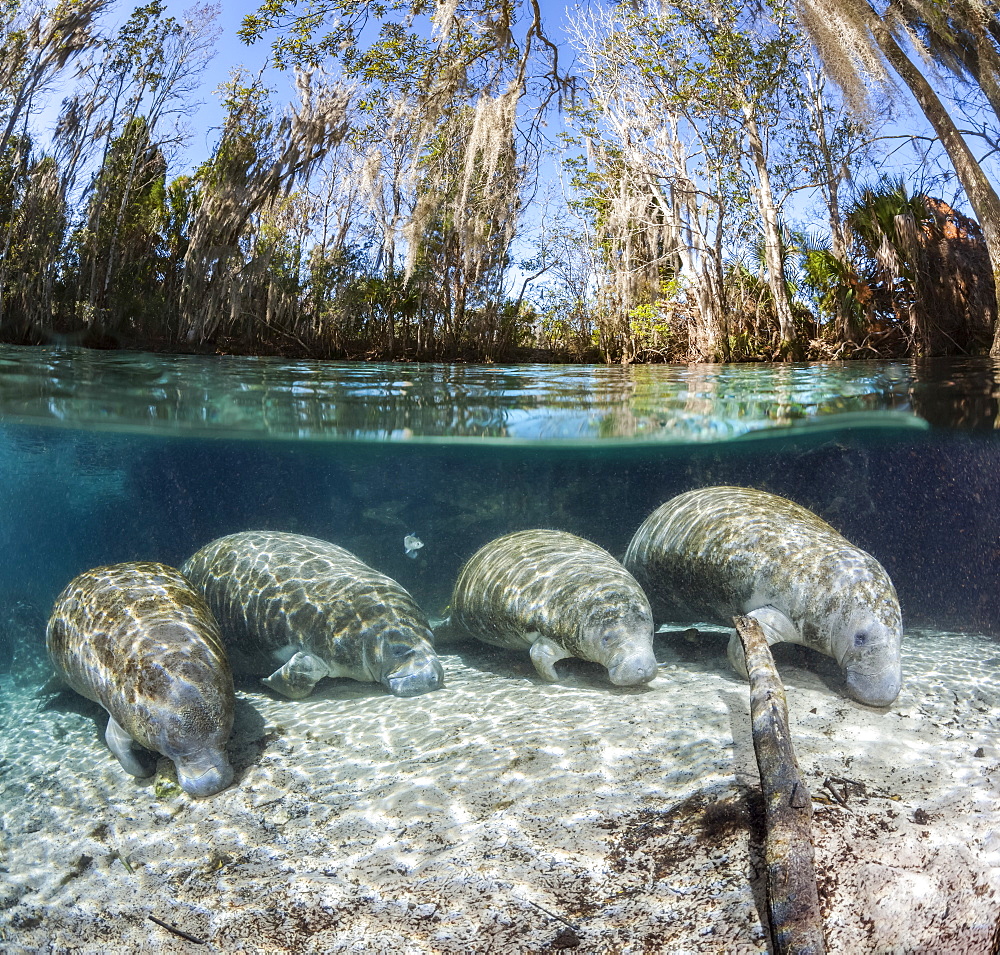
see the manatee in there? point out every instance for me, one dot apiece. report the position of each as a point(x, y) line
point(715, 552)
point(558, 596)
point(140, 641)
point(312, 610)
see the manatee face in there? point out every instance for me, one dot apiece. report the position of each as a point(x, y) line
point(623, 644)
point(868, 650)
point(409, 664)
point(190, 726)
point(207, 773)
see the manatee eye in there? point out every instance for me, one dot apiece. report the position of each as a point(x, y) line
point(861, 638)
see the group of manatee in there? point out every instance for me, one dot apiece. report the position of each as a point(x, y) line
point(157, 647)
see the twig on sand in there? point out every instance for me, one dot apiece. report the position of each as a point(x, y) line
point(558, 918)
point(177, 931)
point(792, 899)
point(830, 784)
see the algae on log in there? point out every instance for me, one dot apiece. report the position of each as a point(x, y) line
point(792, 899)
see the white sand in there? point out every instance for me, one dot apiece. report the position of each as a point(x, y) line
point(494, 814)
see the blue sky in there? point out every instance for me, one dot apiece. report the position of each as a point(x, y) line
point(232, 52)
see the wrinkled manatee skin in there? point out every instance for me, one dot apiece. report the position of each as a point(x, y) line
point(715, 552)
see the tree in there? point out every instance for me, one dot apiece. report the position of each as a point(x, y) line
point(688, 103)
point(33, 222)
point(927, 267)
point(961, 35)
point(855, 39)
point(825, 147)
point(459, 260)
point(143, 71)
point(36, 44)
point(133, 182)
point(641, 189)
point(886, 222)
point(566, 315)
point(438, 117)
point(258, 161)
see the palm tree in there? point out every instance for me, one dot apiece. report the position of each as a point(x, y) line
point(886, 222)
point(926, 264)
point(854, 38)
point(837, 290)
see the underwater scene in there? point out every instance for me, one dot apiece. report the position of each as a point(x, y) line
point(302, 657)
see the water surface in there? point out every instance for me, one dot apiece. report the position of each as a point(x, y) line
point(272, 398)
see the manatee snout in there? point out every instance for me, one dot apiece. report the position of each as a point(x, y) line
point(872, 675)
point(204, 775)
point(633, 669)
point(625, 647)
point(871, 656)
point(414, 672)
point(193, 725)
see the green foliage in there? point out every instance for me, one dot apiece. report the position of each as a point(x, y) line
point(32, 223)
point(836, 288)
point(885, 221)
point(653, 334)
point(564, 323)
point(120, 248)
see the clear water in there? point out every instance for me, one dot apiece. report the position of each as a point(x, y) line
point(499, 810)
point(270, 399)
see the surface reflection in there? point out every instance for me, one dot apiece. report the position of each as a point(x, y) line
point(264, 397)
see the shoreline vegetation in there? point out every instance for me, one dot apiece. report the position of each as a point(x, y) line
point(672, 182)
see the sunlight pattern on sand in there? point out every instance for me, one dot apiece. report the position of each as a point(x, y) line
point(503, 811)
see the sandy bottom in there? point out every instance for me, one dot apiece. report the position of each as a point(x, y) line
point(503, 815)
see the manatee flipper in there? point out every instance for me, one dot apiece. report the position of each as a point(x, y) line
point(296, 678)
point(121, 744)
point(777, 629)
point(545, 654)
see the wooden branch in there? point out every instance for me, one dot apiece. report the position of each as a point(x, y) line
point(792, 899)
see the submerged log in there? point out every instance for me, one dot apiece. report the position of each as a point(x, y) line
point(792, 899)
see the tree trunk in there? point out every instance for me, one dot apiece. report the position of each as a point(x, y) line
point(706, 332)
point(980, 192)
point(773, 252)
point(831, 194)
